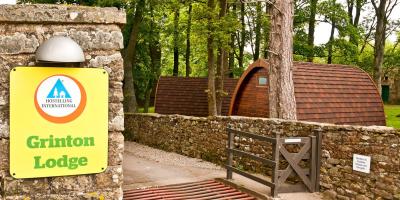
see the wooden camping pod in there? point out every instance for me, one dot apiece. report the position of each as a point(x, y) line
point(336, 94)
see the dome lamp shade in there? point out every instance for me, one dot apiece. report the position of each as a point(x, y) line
point(60, 49)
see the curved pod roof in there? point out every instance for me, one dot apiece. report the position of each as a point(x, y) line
point(187, 96)
point(336, 94)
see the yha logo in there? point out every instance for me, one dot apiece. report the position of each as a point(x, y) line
point(60, 98)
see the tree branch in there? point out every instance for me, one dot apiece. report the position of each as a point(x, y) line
point(367, 36)
point(390, 10)
point(374, 4)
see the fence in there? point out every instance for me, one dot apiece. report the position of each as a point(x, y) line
point(310, 150)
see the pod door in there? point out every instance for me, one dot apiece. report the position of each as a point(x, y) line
point(251, 97)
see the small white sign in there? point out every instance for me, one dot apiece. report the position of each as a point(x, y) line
point(361, 163)
point(293, 140)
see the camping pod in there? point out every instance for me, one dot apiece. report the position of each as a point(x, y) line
point(337, 94)
point(187, 96)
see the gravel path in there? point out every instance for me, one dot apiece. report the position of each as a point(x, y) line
point(166, 158)
point(147, 167)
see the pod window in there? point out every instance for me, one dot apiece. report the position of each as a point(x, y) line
point(262, 81)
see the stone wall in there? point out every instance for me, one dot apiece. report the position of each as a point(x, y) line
point(206, 138)
point(98, 30)
point(392, 80)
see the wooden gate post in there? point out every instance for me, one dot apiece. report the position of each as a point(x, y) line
point(313, 163)
point(230, 155)
point(275, 169)
point(318, 161)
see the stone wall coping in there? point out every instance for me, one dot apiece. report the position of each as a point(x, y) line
point(377, 129)
point(60, 14)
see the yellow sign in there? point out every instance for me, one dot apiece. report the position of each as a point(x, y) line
point(58, 121)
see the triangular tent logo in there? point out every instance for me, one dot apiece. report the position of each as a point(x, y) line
point(58, 91)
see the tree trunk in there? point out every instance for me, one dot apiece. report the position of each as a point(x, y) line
point(379, 48)
point(354, 21)
point(176, 43)
point(155, 58)
point(350, 6)
point(188, 30)
point(311, 30)
point(219, 79)
point(147, 97)
point(212, 107)
point(282, 102)
point(233, 48)
point(225, 62)
point(242, 39)
point(231, 64)
point(266, 30)
point(130, 60)
point(330, 43)
point(257, 43)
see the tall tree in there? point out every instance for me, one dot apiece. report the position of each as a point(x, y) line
point(176, 40)
point(340, 47)
point(257, 42)
point(354, 19)
point(155, 56)
point(382, 11)
point(130, 59)
point(241, 38)
point(266, 27)
point(380, 37)
point(232, 46)
point(331, 41)
point(188, 30)
point(282, 103)
point(212, 106)
point(331, 15)
point(311, 29)
point(219, 79)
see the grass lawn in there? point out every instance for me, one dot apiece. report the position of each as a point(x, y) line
point(391, 112)
point(151, 110)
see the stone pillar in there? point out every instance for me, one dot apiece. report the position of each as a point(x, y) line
point(98, 31)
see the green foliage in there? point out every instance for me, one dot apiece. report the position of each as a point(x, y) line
point(302, 12)
point(366, 60)
point(144, 72)
point(351, 45)
point(151, 110)
point(301, 49)
point(344, 52)
point(222, 28)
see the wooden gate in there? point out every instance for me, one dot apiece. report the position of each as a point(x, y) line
point(309, 151)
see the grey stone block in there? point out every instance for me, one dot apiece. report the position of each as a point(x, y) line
point(43, 13)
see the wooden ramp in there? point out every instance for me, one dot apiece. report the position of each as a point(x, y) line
point(204, 190)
